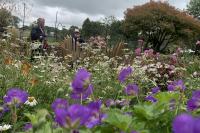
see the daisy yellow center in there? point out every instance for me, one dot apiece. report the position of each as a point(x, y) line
point(31, 99)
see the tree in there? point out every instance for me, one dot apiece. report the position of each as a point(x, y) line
point(194, 8)
point(92, 28)
point(160, 24)
point(5, 17)
point(15, 21)
point(108, 21)
point(116, 32)
point(86, 28)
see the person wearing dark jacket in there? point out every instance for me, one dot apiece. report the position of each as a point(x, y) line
point(38, 36)
point(38, 33)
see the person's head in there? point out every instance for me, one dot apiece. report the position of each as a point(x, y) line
point(41, 22)
point(76, 33)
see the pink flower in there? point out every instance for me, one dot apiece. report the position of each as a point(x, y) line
point(198, 42)
point(173, 59)
point(138, 51)
point(149, 53)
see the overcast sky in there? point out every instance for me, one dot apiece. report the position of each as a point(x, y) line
point(74, 12)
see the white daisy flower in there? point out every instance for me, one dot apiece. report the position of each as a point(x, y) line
point(31, 101)
point(5, 127)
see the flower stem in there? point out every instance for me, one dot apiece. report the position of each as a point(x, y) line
point(14, 117)
point(179, 103)
point(81, 98)
point(138, 99)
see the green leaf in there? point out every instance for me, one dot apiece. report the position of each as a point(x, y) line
point(165, 97)
point(117, 119)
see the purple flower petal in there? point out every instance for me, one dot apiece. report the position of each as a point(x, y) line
point(155, 90)
point(81, 85)
point(124, 73)
point(131, 89)
point(196, 125)
point(183, 124)
point(16, 96)
point(110, 102)
point(83, 95)
point(28, 126)
point(59, 103)
point(151, 99)
point(194, 102)
point(176, 85)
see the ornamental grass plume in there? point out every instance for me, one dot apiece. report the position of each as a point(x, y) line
point(25, 69)
point(33, 81)
point(8, 61)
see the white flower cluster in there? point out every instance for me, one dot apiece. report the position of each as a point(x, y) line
point(5, 127)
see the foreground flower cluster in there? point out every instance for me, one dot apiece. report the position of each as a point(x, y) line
point(142, 93)
point(77, 115)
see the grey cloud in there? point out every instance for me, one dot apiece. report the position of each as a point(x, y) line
point(74, 12)
point(92, 7)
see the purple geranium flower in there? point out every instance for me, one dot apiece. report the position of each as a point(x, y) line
point(3, 109)
point(124, 73)
point(96, 115)
point(81, 85)
point(151, 99)
point(15, 96)
point(28, 126)
point(84, 95)
point(176, 85)
point(183, 124)
point(155, 90)
point(72, 116)
point(59, 103)
point(131, 89)
point(61, 117)
point(194, 102)
point(196, 125)
point(110, 102)
point(79, 113)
